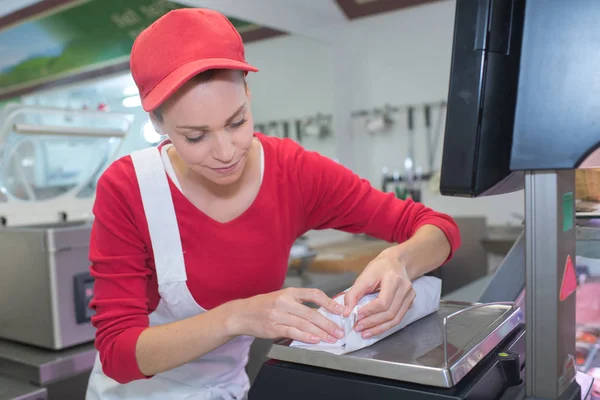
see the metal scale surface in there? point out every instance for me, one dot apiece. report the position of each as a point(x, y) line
point(438, 350)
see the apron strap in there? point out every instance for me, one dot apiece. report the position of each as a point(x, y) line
point(160, 215)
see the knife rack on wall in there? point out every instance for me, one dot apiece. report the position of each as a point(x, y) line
point(320, 125)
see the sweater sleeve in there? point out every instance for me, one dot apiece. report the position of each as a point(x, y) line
point(336, 198)
point(119, 266)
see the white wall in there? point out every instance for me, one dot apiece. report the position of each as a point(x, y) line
point(294, 81)
point(401, 58)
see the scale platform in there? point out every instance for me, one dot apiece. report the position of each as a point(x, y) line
point(438, 350)
point(435, 357)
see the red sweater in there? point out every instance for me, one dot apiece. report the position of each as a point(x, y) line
point(301, 190)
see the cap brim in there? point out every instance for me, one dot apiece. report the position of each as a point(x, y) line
point(172, 82)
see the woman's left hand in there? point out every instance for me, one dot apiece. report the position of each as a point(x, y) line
point(396, 294)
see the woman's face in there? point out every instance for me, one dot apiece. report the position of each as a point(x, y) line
point(211, 127)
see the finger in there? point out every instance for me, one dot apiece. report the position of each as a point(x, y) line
point(378, 318)
point(317, 319)
point(387, 315)
point(294, 333)
point(379, 329)
point(319, 298)
point(392, 286)
point(364, 285)
point(291, 304)
point(306, 326)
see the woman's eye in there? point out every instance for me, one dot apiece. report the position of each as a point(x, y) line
point(195, 139)
point(239, 123)
point(201, 137)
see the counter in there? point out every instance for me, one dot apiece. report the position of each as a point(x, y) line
point(56, 374)
point(350, 255)
point(43, 367)
point(467, 265)
point(588, 238)
point(14, 389)
point(500, 239)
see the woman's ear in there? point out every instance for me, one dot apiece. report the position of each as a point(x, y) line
point(248, 93)
point(156, 124)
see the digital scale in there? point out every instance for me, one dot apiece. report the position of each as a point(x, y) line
point(438, 351)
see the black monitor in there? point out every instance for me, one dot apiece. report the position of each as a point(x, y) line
point(524, 92)
point(482, 98)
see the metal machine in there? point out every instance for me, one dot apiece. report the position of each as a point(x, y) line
point(50, 160)
point(522, 113)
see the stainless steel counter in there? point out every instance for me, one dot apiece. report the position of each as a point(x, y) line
point(588, 238)
point(330, 283)
point(36, 373)
point(14, 389)
point(43, 367)
point(500, 239)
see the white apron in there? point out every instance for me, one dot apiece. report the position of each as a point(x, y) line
point(218, 375)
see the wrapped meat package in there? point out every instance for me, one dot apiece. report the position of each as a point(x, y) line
point(427, 301)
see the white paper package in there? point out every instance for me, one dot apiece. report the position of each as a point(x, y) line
point(427, 301)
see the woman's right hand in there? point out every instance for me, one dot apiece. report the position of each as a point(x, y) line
point(283, 314)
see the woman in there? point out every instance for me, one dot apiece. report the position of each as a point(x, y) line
point(191, 240)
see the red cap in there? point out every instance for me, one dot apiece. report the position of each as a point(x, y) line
point(181, 44)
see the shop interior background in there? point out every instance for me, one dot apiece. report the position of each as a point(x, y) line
point(397, 59)
point(343, 87)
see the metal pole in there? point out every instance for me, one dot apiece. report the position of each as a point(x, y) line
point(550, 241)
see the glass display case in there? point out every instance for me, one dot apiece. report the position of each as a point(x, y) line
point(51, 159)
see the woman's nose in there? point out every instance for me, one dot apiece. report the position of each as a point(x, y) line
point(224, 149)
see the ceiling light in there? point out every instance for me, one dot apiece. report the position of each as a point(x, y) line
point(130, 90)
point(150, 134)
point(132, 101)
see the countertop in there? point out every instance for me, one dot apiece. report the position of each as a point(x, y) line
point(40, 366)
point(13, 389)
point(500, 239)
point(354, 254)
point(347, 255)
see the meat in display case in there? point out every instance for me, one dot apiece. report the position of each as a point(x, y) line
point(587, 355)
point(593, 369)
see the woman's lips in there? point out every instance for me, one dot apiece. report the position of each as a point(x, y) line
point(227, 169)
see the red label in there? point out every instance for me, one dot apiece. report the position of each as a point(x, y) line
point(569, 282)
